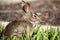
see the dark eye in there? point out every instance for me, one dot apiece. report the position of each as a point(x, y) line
point(34, 15)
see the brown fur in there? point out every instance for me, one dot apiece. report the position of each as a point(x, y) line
point(18, 27)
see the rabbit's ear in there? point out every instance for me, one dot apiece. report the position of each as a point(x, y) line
point(25, 6)
point(22, 3)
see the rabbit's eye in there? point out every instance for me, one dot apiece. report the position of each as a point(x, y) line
point(34, 15)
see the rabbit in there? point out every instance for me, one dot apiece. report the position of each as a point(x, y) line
point(18, 27)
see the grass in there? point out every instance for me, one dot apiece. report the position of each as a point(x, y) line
point(48, 34)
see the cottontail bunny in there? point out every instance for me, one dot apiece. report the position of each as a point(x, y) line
point(18, 27)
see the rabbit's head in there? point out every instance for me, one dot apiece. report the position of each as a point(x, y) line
point(29, 13)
